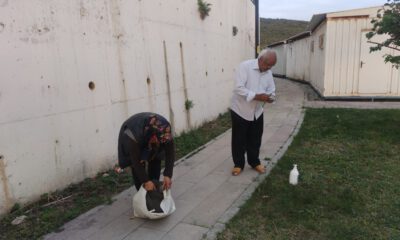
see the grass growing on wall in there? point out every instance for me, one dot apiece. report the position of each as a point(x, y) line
point(54, 209)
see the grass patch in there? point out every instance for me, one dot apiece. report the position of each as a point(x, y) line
point(349, 185)
point(189, 141)
point(78, 198)
point(43, 218)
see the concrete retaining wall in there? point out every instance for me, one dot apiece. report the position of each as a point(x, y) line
point(73, 71)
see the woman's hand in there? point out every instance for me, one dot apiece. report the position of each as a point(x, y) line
point(167, 182)
point(149, 186)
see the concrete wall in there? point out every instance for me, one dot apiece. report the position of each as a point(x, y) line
point(137, 56)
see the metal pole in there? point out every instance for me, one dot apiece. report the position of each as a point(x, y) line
point(257, 50)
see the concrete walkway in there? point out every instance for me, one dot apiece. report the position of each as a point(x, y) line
point(205, 193)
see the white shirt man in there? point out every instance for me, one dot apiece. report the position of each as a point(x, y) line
point(249, 82)
point(254, 87)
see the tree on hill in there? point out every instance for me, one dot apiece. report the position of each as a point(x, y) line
point(388, 22)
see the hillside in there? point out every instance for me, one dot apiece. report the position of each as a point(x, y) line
point(275, 30)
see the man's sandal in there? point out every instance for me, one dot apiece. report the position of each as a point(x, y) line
point(260, 168)
point(236, 171)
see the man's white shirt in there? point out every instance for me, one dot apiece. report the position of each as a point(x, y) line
point(249, 82)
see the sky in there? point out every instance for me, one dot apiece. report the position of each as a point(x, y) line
point(304, 9)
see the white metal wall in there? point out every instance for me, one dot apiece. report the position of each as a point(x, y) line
point(298, 59)
point(55, 130)
point(280, 66)
point(317, 58)
point(345, 41)
point(336, 60)
point(343, 55)
point(395, 81)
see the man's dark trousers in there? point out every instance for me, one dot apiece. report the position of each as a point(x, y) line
point(246, 138)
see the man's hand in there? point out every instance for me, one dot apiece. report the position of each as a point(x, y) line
point(271, 98)
point(264, 98)
point(167, 182)
point(149, 186)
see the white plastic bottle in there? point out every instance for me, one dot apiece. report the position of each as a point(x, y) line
point(294, 175)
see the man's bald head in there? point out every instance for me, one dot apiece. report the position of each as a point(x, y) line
point(266, 59)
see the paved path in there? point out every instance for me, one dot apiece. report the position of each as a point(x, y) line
point(205, 193)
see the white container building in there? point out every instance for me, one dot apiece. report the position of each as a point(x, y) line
point(335, 57)
point(280, 67)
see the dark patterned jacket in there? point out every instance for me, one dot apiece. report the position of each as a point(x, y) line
point(133, 146)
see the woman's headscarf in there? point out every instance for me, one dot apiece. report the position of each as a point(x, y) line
point(157, 130)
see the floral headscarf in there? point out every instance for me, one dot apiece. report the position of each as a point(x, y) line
point(157, 130)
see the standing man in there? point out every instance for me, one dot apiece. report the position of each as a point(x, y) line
point(254, 87)
point(144, 140)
